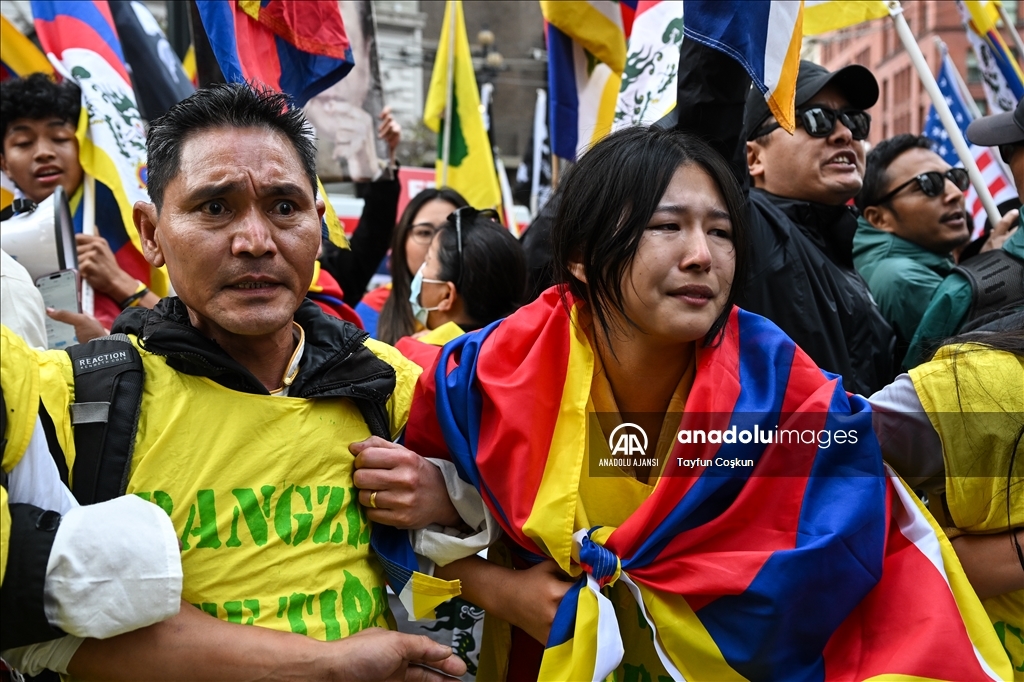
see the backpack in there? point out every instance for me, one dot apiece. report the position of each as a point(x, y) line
point(997, 286)
point(109, 379)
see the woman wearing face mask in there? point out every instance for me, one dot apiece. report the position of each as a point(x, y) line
point(385, 311)
point(610, 429)
point(474, 273)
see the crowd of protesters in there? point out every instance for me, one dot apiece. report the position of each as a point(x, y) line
point(661, 250)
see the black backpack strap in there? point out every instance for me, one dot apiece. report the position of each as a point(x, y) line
point(997, 282)
point(108, 397)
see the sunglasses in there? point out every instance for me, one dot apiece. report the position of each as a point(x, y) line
point(931, 183)
point(820, 121)
point(1007, 150)
point(471, 215)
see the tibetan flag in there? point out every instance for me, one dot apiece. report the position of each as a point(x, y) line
point(763, 36)
point(586, 58)
point(1000, 185)
point(471, 169)
point(80, 36)
point(822, 16)
point(648, 88)
point(764, 556)
point(293, 46)
point(18, 55)
point(160, 79)
point(983, 18)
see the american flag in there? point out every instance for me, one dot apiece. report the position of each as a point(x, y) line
point(999, 185)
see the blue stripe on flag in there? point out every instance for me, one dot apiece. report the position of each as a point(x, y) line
point(739, 29)
point(219, 22)
point(564, 100)
point(304, 75)
point(564, 625)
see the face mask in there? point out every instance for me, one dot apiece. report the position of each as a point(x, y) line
point(418, 311)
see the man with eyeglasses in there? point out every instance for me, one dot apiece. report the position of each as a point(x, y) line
point(912, 218)
point(987, 291)
point(801, 262)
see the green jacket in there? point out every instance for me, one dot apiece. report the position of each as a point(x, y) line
point(949, 308)
point(901, 275)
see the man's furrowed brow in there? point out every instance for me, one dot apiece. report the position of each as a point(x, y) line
point(285, 189)
point(207, 192)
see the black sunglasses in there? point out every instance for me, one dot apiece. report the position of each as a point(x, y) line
point(1007, 150)
point(471, 215)
point(820, 121)
point(931, 183)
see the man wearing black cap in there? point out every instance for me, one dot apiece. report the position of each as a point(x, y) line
point(988, 289)
point(801, 275)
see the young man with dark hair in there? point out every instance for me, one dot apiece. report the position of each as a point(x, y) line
point(912, 218)
point(987, 291)
point(252, 398)
point(802, 274)
point(38, 119)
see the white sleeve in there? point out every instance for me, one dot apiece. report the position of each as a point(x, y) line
point(35, 479)
point(54, 655)
point(444, 545)
point(908, 440)
point(114, 567)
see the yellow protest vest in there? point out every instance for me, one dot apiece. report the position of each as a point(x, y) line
point(260, 492)
point(974, 397)
point(19, 379)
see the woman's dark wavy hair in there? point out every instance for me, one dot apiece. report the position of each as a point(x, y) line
point(396, 318)
point(491, 275)
point(607, 200)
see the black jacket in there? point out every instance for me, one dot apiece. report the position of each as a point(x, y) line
point(801, 273)
point(354, 267)
point(335, 362)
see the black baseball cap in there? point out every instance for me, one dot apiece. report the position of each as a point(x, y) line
point(856, 83)
point(1004, 128)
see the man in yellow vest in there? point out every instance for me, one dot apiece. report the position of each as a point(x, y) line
point(251, 399)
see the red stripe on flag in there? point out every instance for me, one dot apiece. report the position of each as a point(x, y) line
point(912, 606)
point(984, 159)
point(71, 32)
point(997, 185)
point(257, 51)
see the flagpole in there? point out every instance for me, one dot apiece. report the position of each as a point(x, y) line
point(449, 86)
point(972, 106)
point(1013, 30)
point(88, 227)
point(945, 115)
point(538, 154)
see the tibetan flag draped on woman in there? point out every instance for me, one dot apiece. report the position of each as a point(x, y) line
point(298, 47)
point(764, 36)
point(80, 36)
point(772, 556)
point(471, 169)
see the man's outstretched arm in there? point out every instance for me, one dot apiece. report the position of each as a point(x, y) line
point(196, 646)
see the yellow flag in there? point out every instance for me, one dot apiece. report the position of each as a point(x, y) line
point(984, 14)
point(822, 16)
point(471, 170)
point(18, 54)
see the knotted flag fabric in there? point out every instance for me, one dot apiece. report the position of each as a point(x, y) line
point(80, 36)
point(778, 560)
point(1000, 186)
point(298, 47)
point(293, 46)
point(471, 169)
point(763, 36)
point(586, 57)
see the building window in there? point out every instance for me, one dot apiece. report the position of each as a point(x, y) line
point(982, 105)
point(973, 72)
point(901, 86)
point(863, 57)
point(885, 95)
